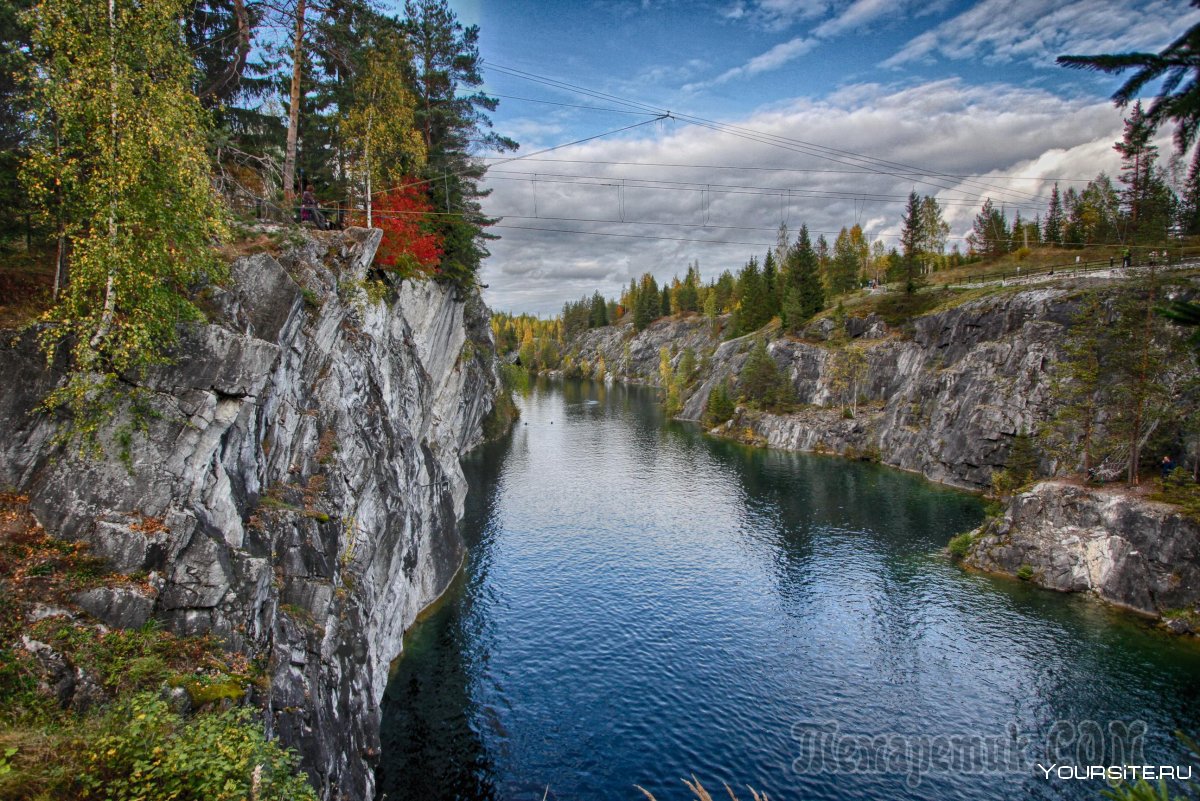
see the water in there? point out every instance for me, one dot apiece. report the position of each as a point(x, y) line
point(642, 603)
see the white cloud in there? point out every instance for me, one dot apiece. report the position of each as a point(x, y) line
point(853, 17)
point(857, 15)
point(990, 132)
point(775, 14)
point(1037, 31)
point(773, 59)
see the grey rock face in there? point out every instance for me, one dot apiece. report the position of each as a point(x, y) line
point(1117, 546)
point(297, 485)
point(945, 399)
point(635, 356)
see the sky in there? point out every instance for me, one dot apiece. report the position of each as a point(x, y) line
point(818, 112)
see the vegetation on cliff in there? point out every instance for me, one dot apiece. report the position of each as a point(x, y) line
point(92, 712)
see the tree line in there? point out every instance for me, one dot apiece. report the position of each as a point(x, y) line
point(1144, 208)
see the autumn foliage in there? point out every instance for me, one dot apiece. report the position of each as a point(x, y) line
point(408, 244)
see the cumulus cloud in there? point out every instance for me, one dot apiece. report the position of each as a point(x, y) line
point(579, 227)
point(1037, 31)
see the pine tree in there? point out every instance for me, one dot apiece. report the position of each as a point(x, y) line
point(665, 301)
point(1075, 387)
point(1189, 203)
point(1138, 153)
point(990, 233)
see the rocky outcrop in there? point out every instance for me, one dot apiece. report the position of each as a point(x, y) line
point(289, 483)
point(943, 396)
point(634, 356)
point(1113, 544)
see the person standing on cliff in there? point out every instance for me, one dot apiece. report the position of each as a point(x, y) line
point(1168, 466)
point(308, 204)
point(1126, 259)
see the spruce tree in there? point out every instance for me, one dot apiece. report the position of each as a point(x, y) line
point(599, 312)
point(648, 302)
point(762, 385)
point(1055, 222)
point(752, 312)
point(843, 273)
point(804, 295)
point(912, 237)
point(770, 279)
point(720, 405)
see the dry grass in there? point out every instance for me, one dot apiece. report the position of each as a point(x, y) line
point(700, 794)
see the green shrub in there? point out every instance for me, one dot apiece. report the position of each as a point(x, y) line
point(144, 750)
point(1025, 573)
point(960, 545)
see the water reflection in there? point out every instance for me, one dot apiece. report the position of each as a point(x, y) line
point(642, 602)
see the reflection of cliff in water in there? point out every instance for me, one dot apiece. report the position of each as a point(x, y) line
point(433, 750)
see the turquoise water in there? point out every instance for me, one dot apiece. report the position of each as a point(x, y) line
point(642, 603)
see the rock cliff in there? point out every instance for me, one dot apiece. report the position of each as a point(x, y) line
point(943, 395)
point(1110, 543)
point(290, 482)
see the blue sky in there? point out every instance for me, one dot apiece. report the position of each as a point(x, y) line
point(952, 88)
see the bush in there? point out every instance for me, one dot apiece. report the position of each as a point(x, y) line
point(1025, 573)
point(146, 751)
point(960, 545)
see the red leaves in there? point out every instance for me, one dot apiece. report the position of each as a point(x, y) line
point(403, 214)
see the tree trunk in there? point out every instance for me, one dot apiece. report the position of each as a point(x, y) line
point(289, 163)
point(110, 292)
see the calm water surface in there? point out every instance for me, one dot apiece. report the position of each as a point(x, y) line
point(642, 603)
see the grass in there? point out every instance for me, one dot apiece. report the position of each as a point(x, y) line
point(700, 794)
point(1180, 491)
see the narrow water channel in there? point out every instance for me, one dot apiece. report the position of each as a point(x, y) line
point(642, 603)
